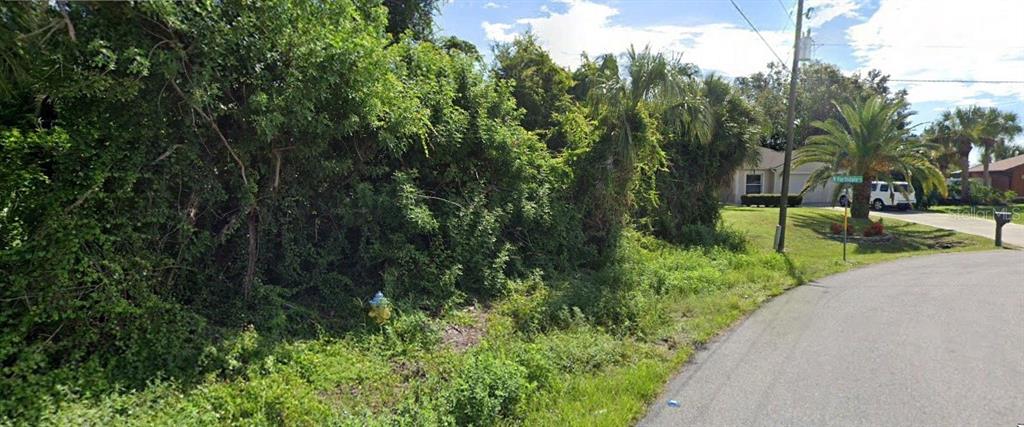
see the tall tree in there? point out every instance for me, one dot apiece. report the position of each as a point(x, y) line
point(870, 140)
point(710, 134)
point(541, 87)
point(626, 108)
point(820, 86)
point(973, 126)
point(1007, 150)
point(947, 152)
point(996, 127)
point(415, 16)
point(217, 164)
point(960, 125)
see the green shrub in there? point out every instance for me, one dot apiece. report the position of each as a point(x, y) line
point(687, 187)
point(488, 388)
point(983, 194)
point(769, 200)
point(234, 354)
point(527, 304)
point(708, 237)
point(584, 349)
point(412, 332)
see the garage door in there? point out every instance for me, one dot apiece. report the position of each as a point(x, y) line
point(817, 196)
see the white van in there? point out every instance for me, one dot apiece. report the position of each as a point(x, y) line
point(900, 194)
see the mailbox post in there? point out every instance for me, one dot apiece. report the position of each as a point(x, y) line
point(1001, 219)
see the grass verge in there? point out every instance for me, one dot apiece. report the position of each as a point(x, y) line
point(586, 349)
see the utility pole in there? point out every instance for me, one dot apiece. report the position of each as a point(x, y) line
point(780, 231)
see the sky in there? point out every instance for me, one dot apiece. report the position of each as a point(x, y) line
point(906, 39)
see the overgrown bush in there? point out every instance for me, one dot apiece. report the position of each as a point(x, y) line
point(983, 194)
point(700, 235)
point(707, 136)
point(488, 388)
point(203, 171)
point(195, 180)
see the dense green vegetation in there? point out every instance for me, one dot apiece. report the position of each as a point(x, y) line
point(536, 362)
point(958, 131)
point(188, 175)
point(197, 199)
point(820, 86)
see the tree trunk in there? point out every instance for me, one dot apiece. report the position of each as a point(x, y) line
point(965, 166)
point(986, 158)
point(250, 268)
point(861, 199)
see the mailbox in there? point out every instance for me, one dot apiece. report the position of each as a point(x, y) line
point(1001, 219)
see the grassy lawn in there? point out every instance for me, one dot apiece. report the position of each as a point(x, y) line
point(813, 254)
point(620, 395)
point(590, 349)
point(983, 212)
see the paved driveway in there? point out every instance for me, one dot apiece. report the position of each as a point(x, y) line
point(927, 341)
point(1012, 233)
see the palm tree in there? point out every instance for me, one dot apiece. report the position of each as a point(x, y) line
point(1005, 151)
point(699, 162)
point(626, 108)
point(967, 127)
point(946, 152)
point(993, 130)
point(872, 140)
point(960, 127)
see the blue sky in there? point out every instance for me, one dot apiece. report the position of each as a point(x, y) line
point(908, 39)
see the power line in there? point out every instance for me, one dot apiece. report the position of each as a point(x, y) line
point(789, 21)
point(769, 46)
point(788, 13)
point(1008, 82)
point(926, 46)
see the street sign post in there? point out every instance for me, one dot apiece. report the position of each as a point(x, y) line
point(843, 180)
point(848, 179)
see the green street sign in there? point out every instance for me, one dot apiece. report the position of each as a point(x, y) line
point(848, 179)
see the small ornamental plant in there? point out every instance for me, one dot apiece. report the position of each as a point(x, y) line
point(837, 228)
point(874, 229)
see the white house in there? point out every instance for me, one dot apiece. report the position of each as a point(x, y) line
point(765, 176)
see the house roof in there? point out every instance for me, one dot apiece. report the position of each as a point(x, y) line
point(1001, 165)
point(770, 159)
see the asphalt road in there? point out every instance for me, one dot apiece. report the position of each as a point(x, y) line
point(927, 341)
point(978, 225)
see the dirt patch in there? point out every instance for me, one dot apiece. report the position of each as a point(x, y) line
point(466, 334)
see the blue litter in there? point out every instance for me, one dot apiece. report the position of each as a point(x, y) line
point(673, 403)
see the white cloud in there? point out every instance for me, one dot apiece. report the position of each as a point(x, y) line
point(587, 26)
point(947, 39)
point(498, 32)
point(981, 102)
point(492, 5)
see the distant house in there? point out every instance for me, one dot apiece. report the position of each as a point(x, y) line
point(765, 176)
point(1007, 174)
